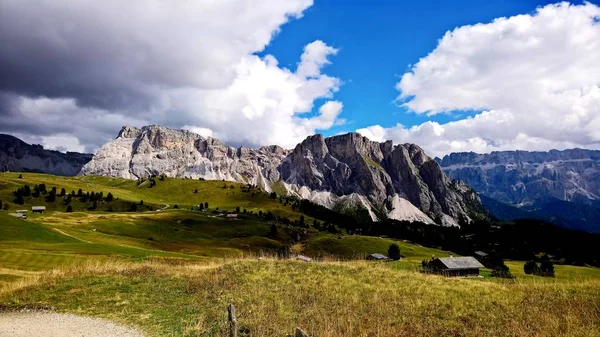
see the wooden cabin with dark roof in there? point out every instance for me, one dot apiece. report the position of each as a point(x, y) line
point(457, 266)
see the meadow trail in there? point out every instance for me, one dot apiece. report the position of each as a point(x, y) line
point(42, 324)
point(71, 236)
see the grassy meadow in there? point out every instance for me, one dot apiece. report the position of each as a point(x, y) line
point(173, 272)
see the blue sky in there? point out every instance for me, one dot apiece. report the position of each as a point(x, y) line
point(378, 43)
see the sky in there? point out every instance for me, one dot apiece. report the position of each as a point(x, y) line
point(450, 76)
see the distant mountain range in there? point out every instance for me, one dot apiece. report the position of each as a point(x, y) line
point(562, 187)
point(16, 155)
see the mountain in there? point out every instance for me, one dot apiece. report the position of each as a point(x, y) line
point(347, 172)
point(16, 155)
point(562, 187)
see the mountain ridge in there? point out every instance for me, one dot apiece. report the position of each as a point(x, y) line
point(16, 155)
point(349, 171)
point(540, 183)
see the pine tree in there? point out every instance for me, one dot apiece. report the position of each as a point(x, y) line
point(63, 192)
point(394, 252)
point(206, 205)
point(273, 231)
point(109, 197)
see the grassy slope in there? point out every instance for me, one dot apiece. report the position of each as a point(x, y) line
point(326, 299)
point(171, 191)
point(361, 246)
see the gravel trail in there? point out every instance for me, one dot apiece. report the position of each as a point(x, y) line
point(48, 324)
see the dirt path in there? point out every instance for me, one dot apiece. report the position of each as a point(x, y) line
point(69, 235)
point(48, 324)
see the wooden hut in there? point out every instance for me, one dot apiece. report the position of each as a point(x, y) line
point(457, 266)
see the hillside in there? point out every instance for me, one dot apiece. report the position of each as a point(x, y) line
point(111, 264)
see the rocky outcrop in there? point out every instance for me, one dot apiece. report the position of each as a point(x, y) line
point(155, 150)
point(345, 171)
point(16, 155)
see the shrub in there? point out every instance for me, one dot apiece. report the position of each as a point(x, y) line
point(69, 209)
point(502, 271)
point(530, 267)
point(176, 206)
point(6, 206)
point(546, 268)
point(394, 252)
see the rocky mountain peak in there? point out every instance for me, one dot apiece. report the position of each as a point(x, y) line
point(129, 132)
point(348, 171)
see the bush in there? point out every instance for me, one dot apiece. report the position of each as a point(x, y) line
point(546, 269)
point(69, 209)
point(502, 271)
point(6, 206)
point(530, 267)
point(394, 252)
point(176, 206)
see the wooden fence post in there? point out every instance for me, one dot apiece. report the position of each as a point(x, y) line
point(300, 333)
point(232, 321)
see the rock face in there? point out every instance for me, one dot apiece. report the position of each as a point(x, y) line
point(347, 171)
point(562, 187)
point(521, 177)
point(16, 155)
point(155, 150)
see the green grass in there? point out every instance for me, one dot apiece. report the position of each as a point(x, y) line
point(325, 299)
point(170, 191)
point(172, 273)
point(357, 246)
point(16, 230)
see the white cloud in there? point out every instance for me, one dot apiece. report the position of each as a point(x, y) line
point(90, 67)
point(535, 76)
point(314, 58)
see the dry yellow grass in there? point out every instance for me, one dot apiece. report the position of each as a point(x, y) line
point(169, 297)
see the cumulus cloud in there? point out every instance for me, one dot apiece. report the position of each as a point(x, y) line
point(88, 67)
point(535, 77)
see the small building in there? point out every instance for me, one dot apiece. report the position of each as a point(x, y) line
point(38, 209)
point(231, 216)
point(480, 254)
point(457, 266)
point(377, 257)
point(303, 258)
point(21, 211)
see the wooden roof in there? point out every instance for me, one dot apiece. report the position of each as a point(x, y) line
point(464, 262)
